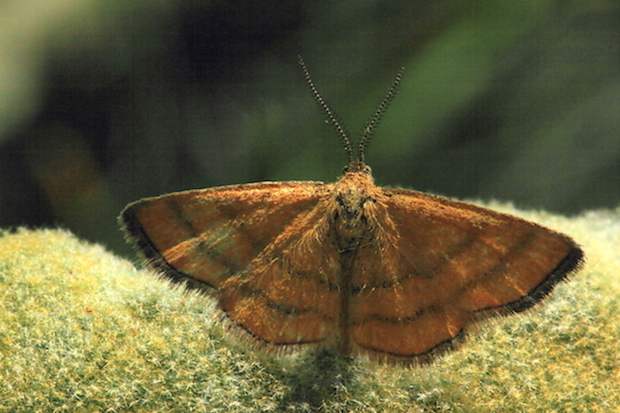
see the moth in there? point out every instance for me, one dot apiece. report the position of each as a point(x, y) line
point(392, 274)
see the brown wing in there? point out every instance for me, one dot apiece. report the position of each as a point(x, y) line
point(204, 237)
point(437, 265)
point(290, 293)
point(263, 246)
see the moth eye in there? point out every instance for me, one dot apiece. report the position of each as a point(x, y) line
point(357, 167)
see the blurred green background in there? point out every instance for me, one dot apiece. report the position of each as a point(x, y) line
point(105, 102)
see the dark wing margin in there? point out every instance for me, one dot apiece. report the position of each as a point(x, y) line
point(439, 266)
point(202, 237)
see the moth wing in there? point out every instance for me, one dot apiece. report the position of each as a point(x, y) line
point(290, 295)
point(205, 236)
point(437, 265)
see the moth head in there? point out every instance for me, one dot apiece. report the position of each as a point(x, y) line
point(357, 166)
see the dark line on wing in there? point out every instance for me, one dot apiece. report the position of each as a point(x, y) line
point(426, 356)
point(279, 307)
point(205, 246)
point(572, 261)
point(499, 268)
point(458, 248)
point(208, 248)
point(243, 229)
point(169, 269)
point(398, 320)
point(490, 274)
point(142, 243)
point(180, 216)
point(535, 295)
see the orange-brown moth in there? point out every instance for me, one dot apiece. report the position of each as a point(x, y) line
point(393, 274)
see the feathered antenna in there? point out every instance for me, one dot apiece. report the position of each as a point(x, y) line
point(342, 132)
point(374, 120)
point(370, 124)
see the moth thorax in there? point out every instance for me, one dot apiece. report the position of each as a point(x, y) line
point(350, 223)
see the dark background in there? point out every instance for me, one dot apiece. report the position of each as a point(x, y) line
point(102, 103)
